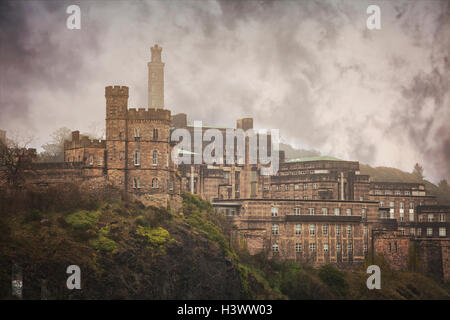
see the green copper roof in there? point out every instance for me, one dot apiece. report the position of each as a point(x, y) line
point(322, 158)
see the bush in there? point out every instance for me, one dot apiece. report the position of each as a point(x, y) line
point(83, 220)
point(104, 244)
point(334, 279)
point(34, 215)
point(156, 238)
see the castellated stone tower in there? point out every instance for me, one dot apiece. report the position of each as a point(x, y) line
point(156, 79)
point(138, 149)
point(116, 134)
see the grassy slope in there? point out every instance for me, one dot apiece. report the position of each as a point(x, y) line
point(128, 251)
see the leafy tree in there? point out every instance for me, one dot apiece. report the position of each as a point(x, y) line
point(418, 171)
point(443, 186)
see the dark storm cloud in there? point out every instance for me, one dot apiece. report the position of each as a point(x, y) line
point(310, 68)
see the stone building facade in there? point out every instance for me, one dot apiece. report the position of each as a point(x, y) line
point(312, 210)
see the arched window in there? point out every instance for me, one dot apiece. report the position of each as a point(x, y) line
point(155, 134)
point(137, 158)
point(155, 158)
point(155, 183)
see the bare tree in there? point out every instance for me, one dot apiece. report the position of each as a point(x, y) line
point(54, 150)
point(15, 157)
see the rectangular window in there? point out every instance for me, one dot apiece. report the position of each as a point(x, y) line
point(442, 232)
point(392, 204)
point(91, 160)
point(338, 230)
point(274, 211)
point(349, 247)
point(311, 211)
point(312, 247)
point(314, 185)
point(348, 212)
point(411, 217)
point(305, 186)
point(365, 247)
point(275, 247)
point(287, 187)
point(419, 231)
point(363, 213)
point(402, 231)
point(297, 211)
point(349, 230)
point(401, 216)
point(325, 247)
point(407, 193)
point(298, 229)
point(296, 187)
point(365, 230)
point(429, 232)
point(430, 217)
point(412, 231)
point(324, 211)
point(338, 247)
point(305, 197)
point(442, 217)
point(137, 158)
point(325, 229)
point(402, 205)
point(275, 229)
point(298, 247)
point(312, 229)
point(337, 211)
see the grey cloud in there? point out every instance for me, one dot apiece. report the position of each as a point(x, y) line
point(285, 63)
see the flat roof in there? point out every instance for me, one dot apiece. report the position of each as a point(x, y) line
point(320, 158)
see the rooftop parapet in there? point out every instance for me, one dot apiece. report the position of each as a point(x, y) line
point(84, 142)
point(116, 91)
point(150, 114)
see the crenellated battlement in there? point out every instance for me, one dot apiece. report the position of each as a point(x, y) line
point(116, 91)
point(84, 142)
point(149, 114)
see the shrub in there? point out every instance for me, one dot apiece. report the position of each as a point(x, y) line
point(334, 279)
point(156, 238)
point(83, 220)
point(104, 244)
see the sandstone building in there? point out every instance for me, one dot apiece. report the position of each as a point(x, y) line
point(313, 210)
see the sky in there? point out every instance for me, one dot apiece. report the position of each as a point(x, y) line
point(309, 68)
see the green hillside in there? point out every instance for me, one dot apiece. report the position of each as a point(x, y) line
point(127, 251)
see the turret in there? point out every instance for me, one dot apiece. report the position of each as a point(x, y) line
point(156, 79)
point(116, 102)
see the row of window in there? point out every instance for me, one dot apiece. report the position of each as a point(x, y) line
point(287, 187)
point(324, 211)
point(137, 133)
point(401, 204)
point(294, 172)
point(312, 229)
point(429, 232)
point(137, 158)
point(155, 183)
point(312, 247)
point(389, 192)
